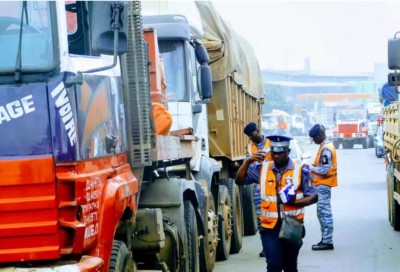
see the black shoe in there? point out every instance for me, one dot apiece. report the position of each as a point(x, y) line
point(322, 246)
point(261, 255)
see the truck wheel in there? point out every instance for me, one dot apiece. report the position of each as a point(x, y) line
point(121, 259)
point(192, 241)
point(237, 215)
point(371, 142)
point(395, 215)
point(365, 143)
point(336, 144)
point(208, 245)
point(224, 224)
point(249, 210)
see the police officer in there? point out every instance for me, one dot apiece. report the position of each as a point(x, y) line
point(324, 173)
point(273, 177)
point(257, 151)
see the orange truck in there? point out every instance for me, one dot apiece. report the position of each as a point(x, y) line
point(87, 183)
point(351, 128)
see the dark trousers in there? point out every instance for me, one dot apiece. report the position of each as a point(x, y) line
point(279, 254)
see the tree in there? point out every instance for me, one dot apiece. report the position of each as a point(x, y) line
point(275, 98)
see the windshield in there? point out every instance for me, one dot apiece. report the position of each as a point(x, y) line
point(349, 115)
point(373, 116)
point(172, 53)
point(29, 47)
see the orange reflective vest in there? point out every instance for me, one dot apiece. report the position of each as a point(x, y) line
point(252, 148)
point(269, 187)
point(330, 178)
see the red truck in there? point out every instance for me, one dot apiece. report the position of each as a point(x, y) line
point(351, 128)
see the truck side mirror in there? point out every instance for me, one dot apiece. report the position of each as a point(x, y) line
point(394, 53)
point(106, 18)
point(201, 54)
point(205, 82)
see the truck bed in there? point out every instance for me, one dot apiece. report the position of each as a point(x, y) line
point(391, 116)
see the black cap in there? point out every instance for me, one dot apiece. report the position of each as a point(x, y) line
point(315, 130)
point(250, 128)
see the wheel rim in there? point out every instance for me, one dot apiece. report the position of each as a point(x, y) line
point(212, 229)
point(227, 221)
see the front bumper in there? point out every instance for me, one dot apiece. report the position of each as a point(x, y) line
point(87, 264)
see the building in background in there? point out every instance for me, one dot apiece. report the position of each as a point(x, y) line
point(318, 96)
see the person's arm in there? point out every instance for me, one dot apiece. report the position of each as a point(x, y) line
point(242, 171)
point(309, 191)
point(326, 164)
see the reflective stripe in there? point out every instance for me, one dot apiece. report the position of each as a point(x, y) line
point(267, 149)
point(263, 178)
point(294, 212)
point(274, 198)
point(289, 213)
point(323, 176)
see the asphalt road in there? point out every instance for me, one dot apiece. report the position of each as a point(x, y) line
point(363, 238)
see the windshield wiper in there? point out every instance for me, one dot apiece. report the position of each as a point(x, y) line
point(18, 61)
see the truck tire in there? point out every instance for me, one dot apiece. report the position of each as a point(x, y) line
point(249, 210)
point(371, 142)
point(208, 245)
point(336, 144)
point(121, 259)
point(237, 215)
point(365, 143)
point(395, 215)
point(224, 224)
point(192, 241)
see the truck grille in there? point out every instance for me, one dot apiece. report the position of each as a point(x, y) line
point(28, 211)
point(348, 128)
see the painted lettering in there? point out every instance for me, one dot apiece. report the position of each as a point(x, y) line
point(27, 104)
point(4, 115)
point(16, 109)
point(65, 110)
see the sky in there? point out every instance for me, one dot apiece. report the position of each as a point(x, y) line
point(339, 37)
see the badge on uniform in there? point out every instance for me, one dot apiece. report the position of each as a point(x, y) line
point(288, 180)
point(324, 159)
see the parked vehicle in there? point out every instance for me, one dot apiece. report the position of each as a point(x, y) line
point(268, 124)
point(297, 125)
point(391, 140)
point(217, 122)
point(372, 112)
point(351, 128)
point(88, 184)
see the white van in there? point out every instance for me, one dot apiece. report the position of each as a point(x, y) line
point(298, 127)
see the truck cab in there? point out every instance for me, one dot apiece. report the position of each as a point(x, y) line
point(67, 187)
point(351, 128)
